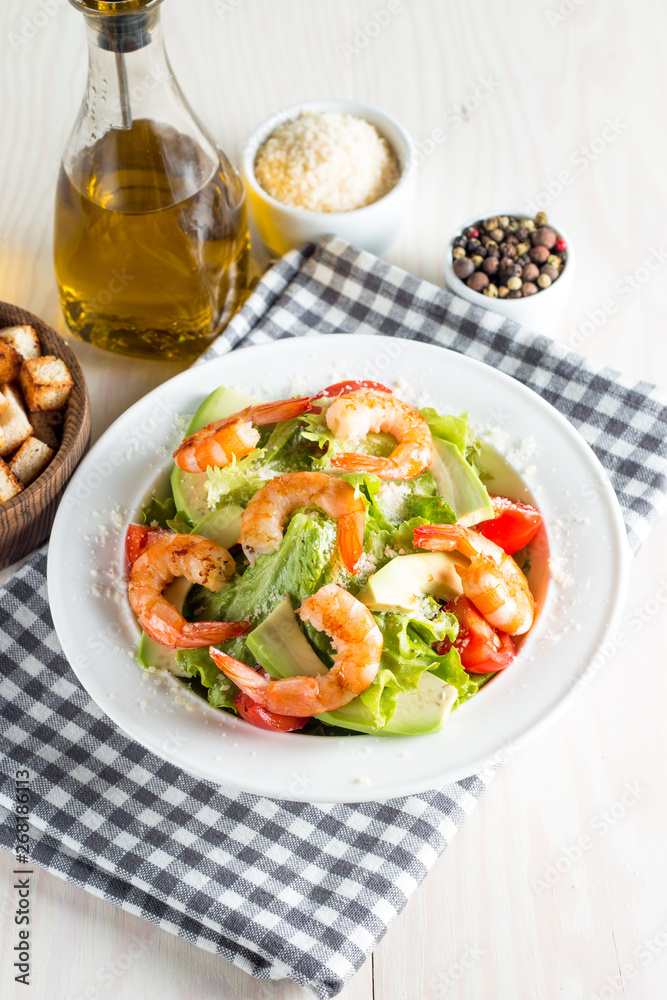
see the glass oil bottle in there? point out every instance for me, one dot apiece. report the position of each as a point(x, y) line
point(151, 240)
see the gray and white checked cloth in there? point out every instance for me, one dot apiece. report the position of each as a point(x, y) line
point(282, 889)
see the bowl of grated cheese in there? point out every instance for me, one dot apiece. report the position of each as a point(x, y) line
point(329, 167)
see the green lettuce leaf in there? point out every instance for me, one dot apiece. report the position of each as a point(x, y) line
point(297, 569)
point(220, 690)
point(283, 448)
point(163, 514)
point(236, 482)
point(434, 510)
point(407, 652)
point(315, 429)
point(448, 427)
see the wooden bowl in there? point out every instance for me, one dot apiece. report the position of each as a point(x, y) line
point(25, 521)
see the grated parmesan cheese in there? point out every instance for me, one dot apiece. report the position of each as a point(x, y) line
point(522, 452)
point(326, 163)
point(391, 499)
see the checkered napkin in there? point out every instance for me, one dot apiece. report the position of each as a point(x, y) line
point(282, 889)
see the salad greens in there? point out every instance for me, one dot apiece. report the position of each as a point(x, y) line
point(308, 558)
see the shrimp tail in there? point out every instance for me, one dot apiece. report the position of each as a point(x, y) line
point(278, 411)
point(234, 436)
point(207, 632)
point(247, 679)
point(192, 635)
point(351, 539)
point(351, 462)
point(440, 537)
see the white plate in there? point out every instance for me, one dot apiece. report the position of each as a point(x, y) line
point(99, 634)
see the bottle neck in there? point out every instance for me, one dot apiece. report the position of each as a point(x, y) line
point(123, 33)
point(133, 111)
point(129, 72)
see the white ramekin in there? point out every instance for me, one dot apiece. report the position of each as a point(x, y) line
point(540, 311)
point(375, 227)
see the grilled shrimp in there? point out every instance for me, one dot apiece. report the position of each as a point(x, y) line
point(235, 436)
point(357, 641)
point(353, 416)
point(263, 519)
point(492, 580)
point(199, 560)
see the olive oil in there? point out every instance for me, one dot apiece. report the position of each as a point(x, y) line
point(151, 254)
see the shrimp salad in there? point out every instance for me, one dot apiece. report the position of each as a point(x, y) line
point(331, 564)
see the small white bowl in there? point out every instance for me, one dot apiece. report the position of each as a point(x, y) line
point(541, 311)
point(374, 227)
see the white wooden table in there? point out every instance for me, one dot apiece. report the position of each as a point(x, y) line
point(516, 907)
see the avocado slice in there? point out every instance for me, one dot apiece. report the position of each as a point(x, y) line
point(189, 488)
point(281, 647)
point(499, 475)
point(283, 650)
point(424, 711)
point(458, 483)
point(222, 526)
point(151, 653)
point(400, 584)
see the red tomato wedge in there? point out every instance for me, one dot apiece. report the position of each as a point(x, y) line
point(258, 716)
point(342, 388)
point(482, 648)
point(137, 540)
point(514, 525)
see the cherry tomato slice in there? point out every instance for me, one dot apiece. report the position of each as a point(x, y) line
point(137, 540)
point(342, 388)
point(258, 716)
point(514, 525)
point(482, 648)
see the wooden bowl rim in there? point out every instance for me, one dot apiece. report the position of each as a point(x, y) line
point(81, 435)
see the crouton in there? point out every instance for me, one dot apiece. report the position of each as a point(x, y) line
point(13, 422)
point(10, 486)
point(10, 363)
point(46, 426)
point(30, 460)
point(46, 383)
point(3, 402)
point(23, 339)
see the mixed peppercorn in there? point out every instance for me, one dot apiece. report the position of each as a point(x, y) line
point(509, 257)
